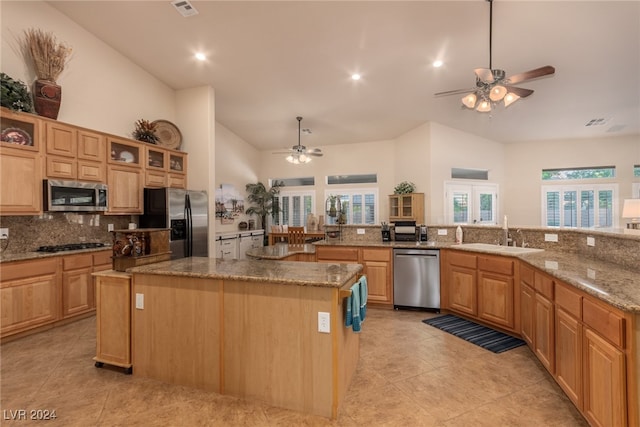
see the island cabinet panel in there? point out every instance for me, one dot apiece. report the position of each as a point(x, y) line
point(113, 318)
point(28, 294)
point(544, 331)
point(527, 298)
point(568, 353)
point(294, 369)
point(336, 254)
point(177, 335)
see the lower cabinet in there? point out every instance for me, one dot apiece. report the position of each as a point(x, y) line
point(496, 291)
point(527, 297)
point(77, 286)
point(377, 266)
point(28, 295)
point(461, 277)
point(543, 329)
point(113, 319)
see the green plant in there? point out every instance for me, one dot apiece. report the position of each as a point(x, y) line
point(15, 94)
point(405, 187)
point(145, 131)
point(263, 200)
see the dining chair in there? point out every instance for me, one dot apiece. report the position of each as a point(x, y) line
point(296, 235)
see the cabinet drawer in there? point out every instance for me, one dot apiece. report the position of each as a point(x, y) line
point(91, 171)
point(25, 269)
point(337, 254)
point(544, 285)
point(569, 300)
point(462, 259)
point(77, 261)
point(376, 254)
point(607, 323)
point(155, 179)
point(102, 258)
point(526, 274)
point(496, 265)
point(61, 167)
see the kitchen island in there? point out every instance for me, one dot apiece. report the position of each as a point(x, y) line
point(247, 329)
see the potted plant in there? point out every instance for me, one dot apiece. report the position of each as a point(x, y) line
point(145, 131)
point(49, 59)
point(405, 187)
point(332, 206)
point(263, 201)
point(15, 94)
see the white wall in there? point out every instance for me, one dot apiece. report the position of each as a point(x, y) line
point(413, 163)
point(101, 89)
point(525, 161)
point(237, 164)
point(453, 148)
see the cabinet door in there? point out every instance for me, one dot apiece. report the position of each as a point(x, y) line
point(604, 382)
point(495, 299)
point(125, 190)
point(527, 301)
point(28, 303)
point(21, 180)
point(378, 281)
point(544, 329)
point(91, 146)
point(62, 140)
point(77, 292)
point(113, 320)
point(462, 290)
point(569, 355)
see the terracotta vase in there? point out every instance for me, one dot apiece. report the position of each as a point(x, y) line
point(46, 98)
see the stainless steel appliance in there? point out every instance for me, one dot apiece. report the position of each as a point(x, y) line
point(416, 278)
point(405, 231)
point(74, 196)
point(185, 212)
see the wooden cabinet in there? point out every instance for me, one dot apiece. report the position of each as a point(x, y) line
point(496, 294)
point(28, 295)
point(377, 266)
point(544, 335)
point(126, 188)
point(568, 353)
point(113, 319)
point(461, 275)
point(406, 207)
point(21, 180)
point(77, 285)
point(527, 298)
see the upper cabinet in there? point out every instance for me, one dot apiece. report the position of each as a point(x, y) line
point(406, 207)
point(124, 153)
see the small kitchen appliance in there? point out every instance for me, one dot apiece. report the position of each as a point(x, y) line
point(405, 231)
point(386, 232)
point(423, 233)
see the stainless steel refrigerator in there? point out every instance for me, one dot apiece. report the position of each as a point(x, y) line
point(185, 212)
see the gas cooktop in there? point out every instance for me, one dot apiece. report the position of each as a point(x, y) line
point(70, 247)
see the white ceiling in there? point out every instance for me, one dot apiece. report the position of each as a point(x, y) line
point(272, 61)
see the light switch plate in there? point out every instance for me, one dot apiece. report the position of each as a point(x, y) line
point(109, 227)
point(550, 237)
point(442, 231)
point(140, 301)
point(360, 230)
point(324, 322)
point(591, 241)
point(4, 233)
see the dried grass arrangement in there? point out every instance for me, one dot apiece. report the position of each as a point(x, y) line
point(49, 56)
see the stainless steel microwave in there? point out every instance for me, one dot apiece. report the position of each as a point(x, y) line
point(74, 196)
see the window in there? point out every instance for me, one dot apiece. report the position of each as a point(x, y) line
point(352, 179)
point(471, 203)
point(360, 206)
point(294, 182)
point(579, 206)
point(636, 170)
point(579, 173)
point(294, 206)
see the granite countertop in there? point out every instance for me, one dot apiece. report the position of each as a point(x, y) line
point(38, 255)
point(280, 251)
point(266, 271)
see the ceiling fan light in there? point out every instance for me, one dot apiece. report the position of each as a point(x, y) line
point(304, 158)
point(497, 93)
point(510, 98)
point(484, 106)
point(469, 100)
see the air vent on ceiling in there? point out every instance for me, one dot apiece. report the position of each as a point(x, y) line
point(597, 122)
point(306, 131)
point(184, 8)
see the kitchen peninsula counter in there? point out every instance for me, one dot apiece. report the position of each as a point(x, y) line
point(247, 328)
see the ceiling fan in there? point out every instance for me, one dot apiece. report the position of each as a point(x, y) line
point(492, 85)
point(299, 153)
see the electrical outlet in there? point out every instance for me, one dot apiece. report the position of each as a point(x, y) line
point(140, 301)
point(4, 233)
point(442, 231)
point(591, 241)
point(324, 322)
point(109, 227)
point(551, 265)
point(550, 237)
point(360, 230)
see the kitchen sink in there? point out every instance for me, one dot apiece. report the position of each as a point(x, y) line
point(498, 248)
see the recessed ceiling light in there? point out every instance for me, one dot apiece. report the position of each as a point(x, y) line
point(201, 56)
point(437, 64)
point(355, 76)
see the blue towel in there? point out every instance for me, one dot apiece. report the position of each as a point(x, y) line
point(364, 294)
point(352, 317)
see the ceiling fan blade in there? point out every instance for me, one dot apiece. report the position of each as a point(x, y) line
point(521, 92)
point(314, 150)
point(484, 74)
point(314, 153)
point(455, 92)
point(282, 152)
point(531, 74)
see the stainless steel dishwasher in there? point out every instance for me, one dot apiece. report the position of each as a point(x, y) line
point(416, 278)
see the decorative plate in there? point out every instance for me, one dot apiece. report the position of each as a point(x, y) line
point(168, 134)
point(16, 136)
point(127, 157)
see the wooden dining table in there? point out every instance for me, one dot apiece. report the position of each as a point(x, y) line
point(283, 236)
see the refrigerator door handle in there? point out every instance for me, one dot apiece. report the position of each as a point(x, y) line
point(187, 217)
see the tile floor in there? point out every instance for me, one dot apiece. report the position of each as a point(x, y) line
point(409, 374)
